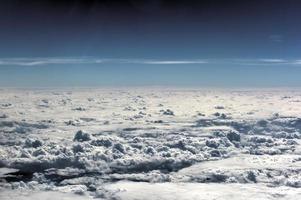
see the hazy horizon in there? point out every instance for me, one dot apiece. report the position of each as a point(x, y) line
point(159, 42)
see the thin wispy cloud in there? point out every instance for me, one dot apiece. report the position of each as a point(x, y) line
point(276, 38)
point(171, 62)
point(271, 60)
point(297, 62)
point(46, 61)
point(92, 60)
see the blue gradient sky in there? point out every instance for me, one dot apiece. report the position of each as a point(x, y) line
point(246, 43)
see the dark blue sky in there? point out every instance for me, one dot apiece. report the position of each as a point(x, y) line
point(179, 42)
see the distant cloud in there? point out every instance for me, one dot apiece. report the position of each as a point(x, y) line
point(87, 60)
point(297, 62)
point(45, 61)
point(271, 60)
point(170, 62)
point(276, 38)
point(93, 60)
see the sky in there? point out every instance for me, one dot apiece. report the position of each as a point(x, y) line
point(202, 43)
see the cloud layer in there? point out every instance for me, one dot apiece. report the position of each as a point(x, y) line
point(92, 60)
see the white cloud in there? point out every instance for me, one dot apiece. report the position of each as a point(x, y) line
point(93, 60)
point(272, 60)
point(170, 62)
point(45, 61)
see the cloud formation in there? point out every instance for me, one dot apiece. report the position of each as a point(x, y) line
point(45, 61)
point(92, 60)
point(171, 62)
